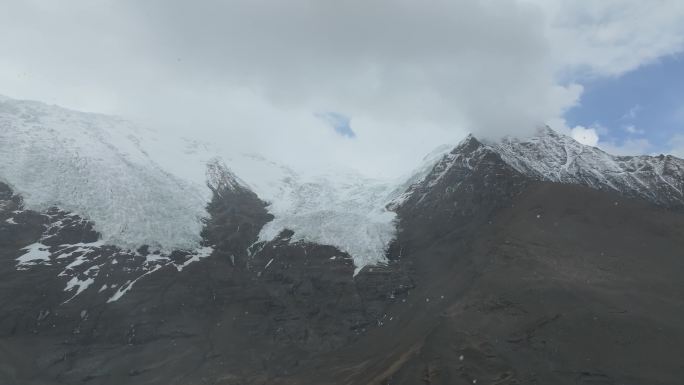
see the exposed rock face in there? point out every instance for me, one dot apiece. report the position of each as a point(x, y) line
point(566, 285)
point(499, 274)
point(462, 192)
point(236, 215)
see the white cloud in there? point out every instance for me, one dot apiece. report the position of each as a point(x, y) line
point(584, 135)
point(253, 74)
point(632, 113)
point(628, 147)
point(632, 129)
point(612, 37)
point(677, 145)
point(679, 114)
point(592, 136)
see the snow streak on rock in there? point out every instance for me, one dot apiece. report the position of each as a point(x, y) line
point(558, 158)
point(553, 157)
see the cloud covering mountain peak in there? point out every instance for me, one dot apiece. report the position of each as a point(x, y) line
point(255, 74)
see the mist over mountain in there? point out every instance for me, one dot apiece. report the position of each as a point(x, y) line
point(131, 256)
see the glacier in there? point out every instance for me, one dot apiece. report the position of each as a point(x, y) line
point(92, 165)
point(141, 186)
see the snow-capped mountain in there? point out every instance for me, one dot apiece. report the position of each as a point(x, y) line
point(140, 187)
point(553, 157)
point(533, 260)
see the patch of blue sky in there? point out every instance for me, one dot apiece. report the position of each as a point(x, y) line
point(645, 105)
point(339, 122)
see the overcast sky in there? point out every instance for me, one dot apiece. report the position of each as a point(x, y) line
point(373, 84)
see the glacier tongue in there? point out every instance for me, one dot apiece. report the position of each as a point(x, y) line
point(347, 211)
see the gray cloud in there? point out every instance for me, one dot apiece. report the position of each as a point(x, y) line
point(611, 37)
point(252, 74)
point(479, 66)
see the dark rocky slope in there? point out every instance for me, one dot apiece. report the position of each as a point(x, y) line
point(561, 287)
point(524, 282)
point(234, 315)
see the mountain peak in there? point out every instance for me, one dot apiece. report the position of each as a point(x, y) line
point(554, 157)
point(468, 144)
point(551, 156)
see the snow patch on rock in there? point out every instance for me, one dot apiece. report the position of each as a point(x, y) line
point(34, 254)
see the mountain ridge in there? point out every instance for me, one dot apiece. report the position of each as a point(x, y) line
point(493, 276)
point(360, 218)
point(554, 157)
